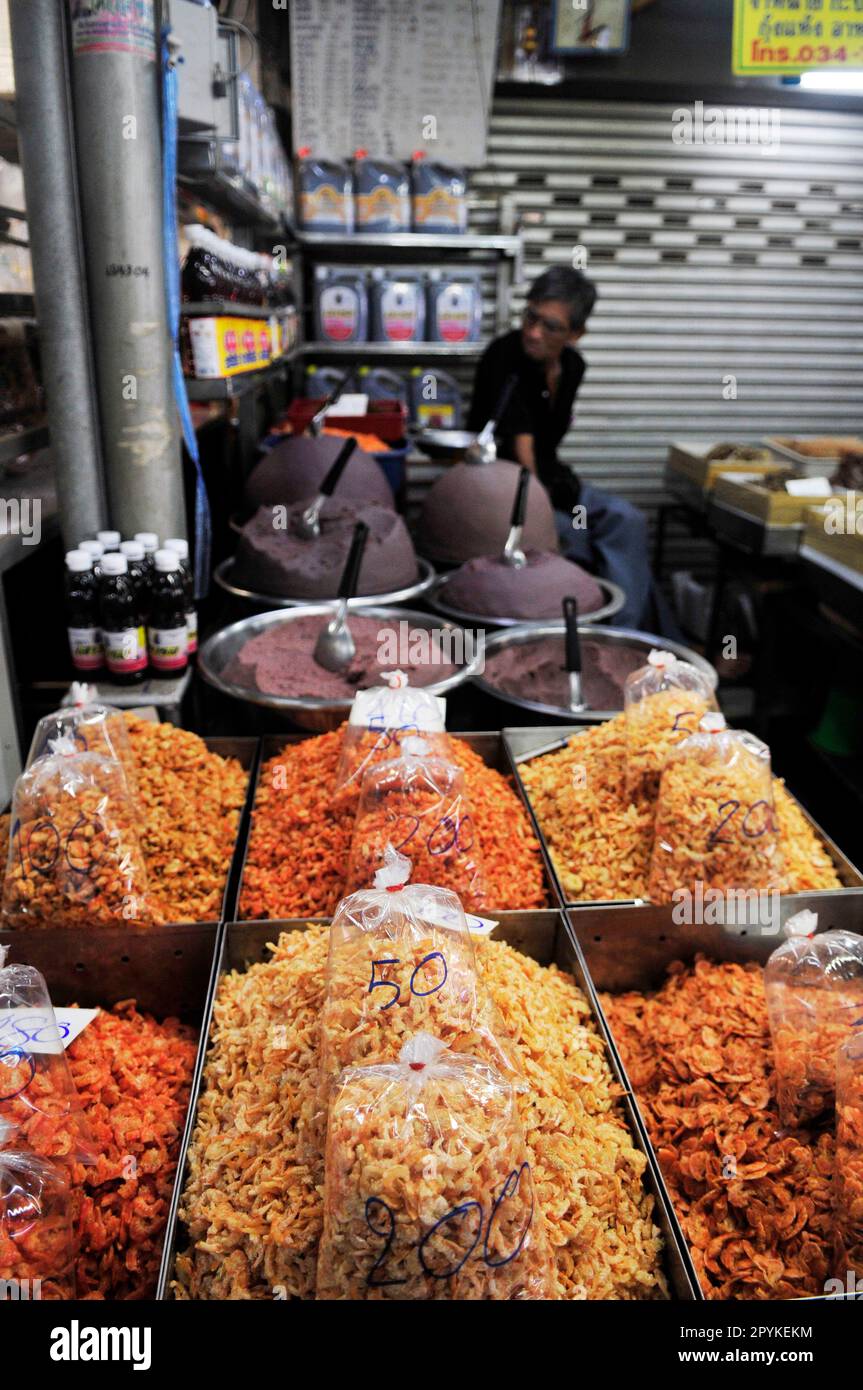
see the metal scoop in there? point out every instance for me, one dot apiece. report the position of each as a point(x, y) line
point(309, 524)
point(513, 555)
point(573, 654)
point(316, 423)
point(483, 449)
point(335, 648)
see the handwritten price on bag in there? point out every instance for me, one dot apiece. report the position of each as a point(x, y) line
point(391, 984)
point(447, 834)
point(377, 1208)
point(731, 808)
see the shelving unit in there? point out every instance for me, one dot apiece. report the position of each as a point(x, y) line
point(420, 349)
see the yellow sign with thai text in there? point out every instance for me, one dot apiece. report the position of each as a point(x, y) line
point(794, 36)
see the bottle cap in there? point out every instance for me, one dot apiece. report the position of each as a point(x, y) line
point(179, 547)
point(165, 561)
point(78, 561)
point(304, 151)
point(110, 539)
point(114, 563)
point(149, 540)
point(92, 548)
point(361, 153)
point(133, 550)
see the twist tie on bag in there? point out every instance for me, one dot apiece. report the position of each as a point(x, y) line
point(421, 1051)
point(712, 723)
point(802, 924)
point(394, 872)
point(396, 680)
point(661, 660)
point(64, 746)
point(79, 694)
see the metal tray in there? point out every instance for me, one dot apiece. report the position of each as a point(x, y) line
point(222, 575)
point(841, 907)
point(752, 534)
point(614, 601)
point(169, 971)
point(539, 935)
point(611, 636)
point(489, 746)
point(622, 953)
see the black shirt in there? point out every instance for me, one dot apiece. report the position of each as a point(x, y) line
point(530, 410)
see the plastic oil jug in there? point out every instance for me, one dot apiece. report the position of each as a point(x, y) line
point(324, 194)
point(454, 307)
point(382, 200)
point(397, 306)
point(438, 196)
point(341, 305)
point(435, 399)
point(379, 384)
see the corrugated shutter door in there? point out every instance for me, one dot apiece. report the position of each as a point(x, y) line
point(712, 262)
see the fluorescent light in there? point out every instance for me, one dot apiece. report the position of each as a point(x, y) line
point(832, 81)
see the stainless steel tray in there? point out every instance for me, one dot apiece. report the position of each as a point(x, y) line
point(169, 971)
point(624, 953)
point(489, 746)
point(839, 907)
point(752, 534)
point(539, 935)
point(309, 711)
point(614, 601)
point(531, 632)
point(222, 575)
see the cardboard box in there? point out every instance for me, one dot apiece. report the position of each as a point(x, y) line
point(836, 529)
point(746, 492)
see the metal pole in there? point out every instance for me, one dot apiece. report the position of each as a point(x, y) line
point(116, 90)
point(43, 104)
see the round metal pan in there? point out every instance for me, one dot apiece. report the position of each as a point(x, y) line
point(222, 576)
point(612, 636)
point(444, 444)
point(614, 601)
point(310, 711)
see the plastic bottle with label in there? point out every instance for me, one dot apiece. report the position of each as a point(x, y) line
point(341, 305)
point(397, 306)
point(82, 613)
point(138, 571)
point(382, 199)
point(150, 542)
point(438, 196)
point(180, 548)
point(454, 307)
point(167, 636)
point(95, 549)
point(109, 540)
point(123, 638)
point(325, 194)
point(435, 399)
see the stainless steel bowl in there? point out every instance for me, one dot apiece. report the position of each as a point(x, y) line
point(311, 712)
point(612, 636)
point(222, 575)
point(444, 444)
point(614, 601)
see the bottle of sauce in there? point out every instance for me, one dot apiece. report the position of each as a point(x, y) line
point(109, 540)
point(181, 550)
point(95, 549)
point(166, 631)
point(123, 638)
point(150, 541)
point(138, 571)
point(82, 613)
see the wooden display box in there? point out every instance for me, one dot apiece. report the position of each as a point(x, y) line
point(746, 493)
point(688, 458)
point(835, 529)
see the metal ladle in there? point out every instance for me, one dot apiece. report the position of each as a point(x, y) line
point(513, 555)
point(483, 449)
point(573, 654)
point(335, 648)
point(308, 525)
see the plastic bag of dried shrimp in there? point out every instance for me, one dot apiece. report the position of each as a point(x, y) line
point(401, 961)
point(93, 727)
point(663, 702)
point(814, 988)
point(715, 827)
point(428, 1191)
point(37, 1240)
point(39, 1105)
point(381, 720)
point(418, 803)
point(848, 1177)
point(74, 855)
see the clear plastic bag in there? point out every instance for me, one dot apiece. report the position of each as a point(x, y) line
point(428, 1189)
point(418, 803)
point(381, 720)
point(93, 728)
point(37, 1241)
point(848, 1180)
point(663, 703)
point(814, 988)
point(74, 855)
point(715, 822)
point(39, 1106)
point(401, 961)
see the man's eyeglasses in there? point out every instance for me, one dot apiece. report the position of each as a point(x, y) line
point(532, 319)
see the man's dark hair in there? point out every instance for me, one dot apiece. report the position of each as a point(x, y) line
point(572, 289)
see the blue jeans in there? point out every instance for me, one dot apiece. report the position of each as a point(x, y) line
point(613, 544)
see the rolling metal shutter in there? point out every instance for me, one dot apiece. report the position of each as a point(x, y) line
point(712, 261)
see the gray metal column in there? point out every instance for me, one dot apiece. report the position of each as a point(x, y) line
point(116, 90)
point(43, 104)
